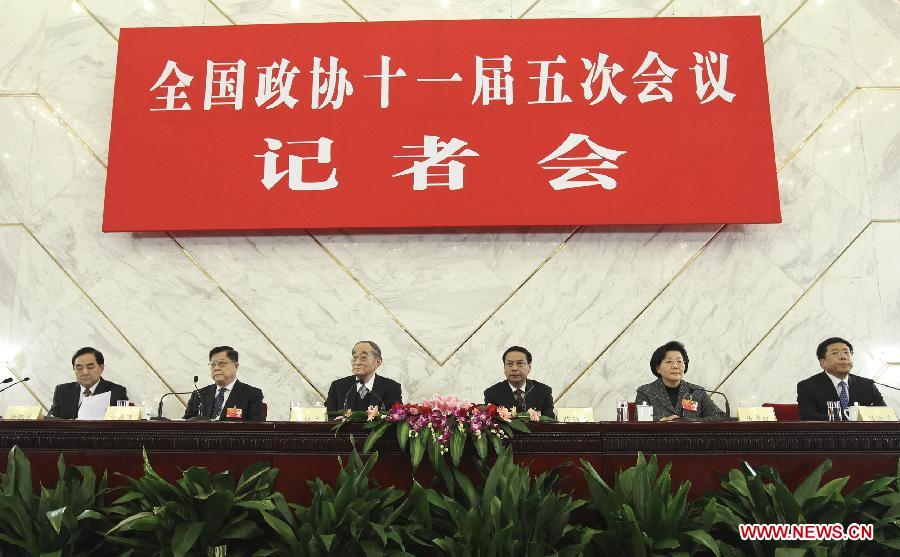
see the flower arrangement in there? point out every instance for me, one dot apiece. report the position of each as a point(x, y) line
point(442, 425)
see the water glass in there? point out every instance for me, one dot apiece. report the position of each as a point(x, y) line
point(121, 403)
point(622, 411)
point(834, 411)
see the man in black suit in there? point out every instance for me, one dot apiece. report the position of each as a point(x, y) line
point(835, 383)
point(226, 399)
point(517, 391)
point(88, 366)
point(364, 388)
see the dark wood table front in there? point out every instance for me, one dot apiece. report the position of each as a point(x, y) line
point(699, 452)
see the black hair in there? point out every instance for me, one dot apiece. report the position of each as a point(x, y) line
point(229, 351)
point(517, 349)
point(660, 353)
point(820, 350)
point(88, 350)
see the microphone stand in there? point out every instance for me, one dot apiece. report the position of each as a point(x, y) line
point(159, 410)
point(8, 379)
point(201, 415)
point(727, 405)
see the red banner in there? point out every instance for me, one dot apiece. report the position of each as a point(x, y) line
point(441, 123)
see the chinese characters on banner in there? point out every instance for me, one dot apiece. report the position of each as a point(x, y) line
point(449, 123)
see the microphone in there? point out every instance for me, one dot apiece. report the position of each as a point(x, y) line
point(7, 380)
point(354, 385)
point(525, 398)
point(727, 405)
point(24, 379)
point(888, 386)
point(200, 412)
point(159, 415)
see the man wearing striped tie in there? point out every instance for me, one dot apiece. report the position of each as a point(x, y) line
point(835, 383)
point(227, 398)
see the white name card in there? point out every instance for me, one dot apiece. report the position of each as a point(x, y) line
point(124, 413)
point(575, 414)
point(24, 413)
point(314, 414)
point(876, 414)
point(756, 414)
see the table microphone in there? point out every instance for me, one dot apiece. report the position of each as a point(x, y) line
point(8, 379)
point(201, 415)
point(159, 415)
point(354, 385)
point(727, 406)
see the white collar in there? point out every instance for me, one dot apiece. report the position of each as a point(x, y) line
point(525, 384)
point(836, 381)
point(369, 384)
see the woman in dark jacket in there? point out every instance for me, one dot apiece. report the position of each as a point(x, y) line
point(673, 398)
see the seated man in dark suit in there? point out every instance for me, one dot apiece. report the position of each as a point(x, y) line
point(364, 388)
point(835, 383)
point(88, 366)
point(228, 398)
point(518, 391)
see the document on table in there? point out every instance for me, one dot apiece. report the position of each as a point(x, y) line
point(94, 407)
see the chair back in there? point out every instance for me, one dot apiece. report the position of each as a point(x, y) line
point(785, 412)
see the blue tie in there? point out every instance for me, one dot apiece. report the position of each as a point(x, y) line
point(220, 401)
point(842, 394)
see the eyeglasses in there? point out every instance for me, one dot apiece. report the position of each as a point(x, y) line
point(219, 363)
point(673, 362)
point(362, 358)
point(840, 353)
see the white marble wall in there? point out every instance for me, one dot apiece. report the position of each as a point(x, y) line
point(750, 302)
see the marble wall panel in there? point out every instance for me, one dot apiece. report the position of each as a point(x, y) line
point(115, 14)
point(26, 275)
point(395, 10)
point(875, 40)
point(441, 286)
point(286, 11)
point(818, 222)
point(887, 262)
point(39, 321)
point(879, 109)
point(596, 8)
point(836, 155)
point(848, 301)
point(22, 27)
point(307, 306)
point(772, 12)
point(810, 71)
point(17, 123)
point(77, 72)
point(579, 302)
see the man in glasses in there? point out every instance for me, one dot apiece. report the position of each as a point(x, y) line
point(364, 388)
point(835, 383)
point(88, 366)
point(227, 399)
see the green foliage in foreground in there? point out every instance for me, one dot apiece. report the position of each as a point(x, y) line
point(505, 511)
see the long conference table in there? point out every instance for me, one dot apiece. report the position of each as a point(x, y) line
point(699, 452)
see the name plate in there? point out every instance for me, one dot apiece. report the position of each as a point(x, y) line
point(314, 414)
point(876, 414)
point(575, 414)
point(24, 413)
point(756, 414)
point(124, 413)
